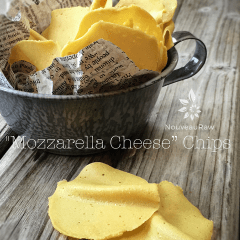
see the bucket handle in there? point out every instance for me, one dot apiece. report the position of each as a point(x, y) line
point(194, 65)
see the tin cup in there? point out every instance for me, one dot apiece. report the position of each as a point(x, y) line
point(87, 124)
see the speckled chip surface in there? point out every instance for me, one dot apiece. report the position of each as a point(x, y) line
point(102, 203)
point(176, 218)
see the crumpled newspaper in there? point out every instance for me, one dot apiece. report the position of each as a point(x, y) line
point(99, 67)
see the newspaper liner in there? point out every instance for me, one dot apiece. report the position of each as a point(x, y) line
point(97, 68)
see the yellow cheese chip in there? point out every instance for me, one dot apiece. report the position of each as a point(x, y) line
point(179, 212)
point(65, 24)
point(176, 218)
point(101, 4)
point(167, 34)
point(45, 32)
point(36, 36)
point(98, 4)
point(97, 170)
point(108, 4)
point(141, 48)
point(170, 7)
point(161, 10)
point(154, 7)
point(156, 228)
point(101, 203)
point(169, 25)
point(38, 53)
point(139, 18)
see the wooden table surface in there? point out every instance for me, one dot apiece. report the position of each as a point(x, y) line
point(209, 176)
